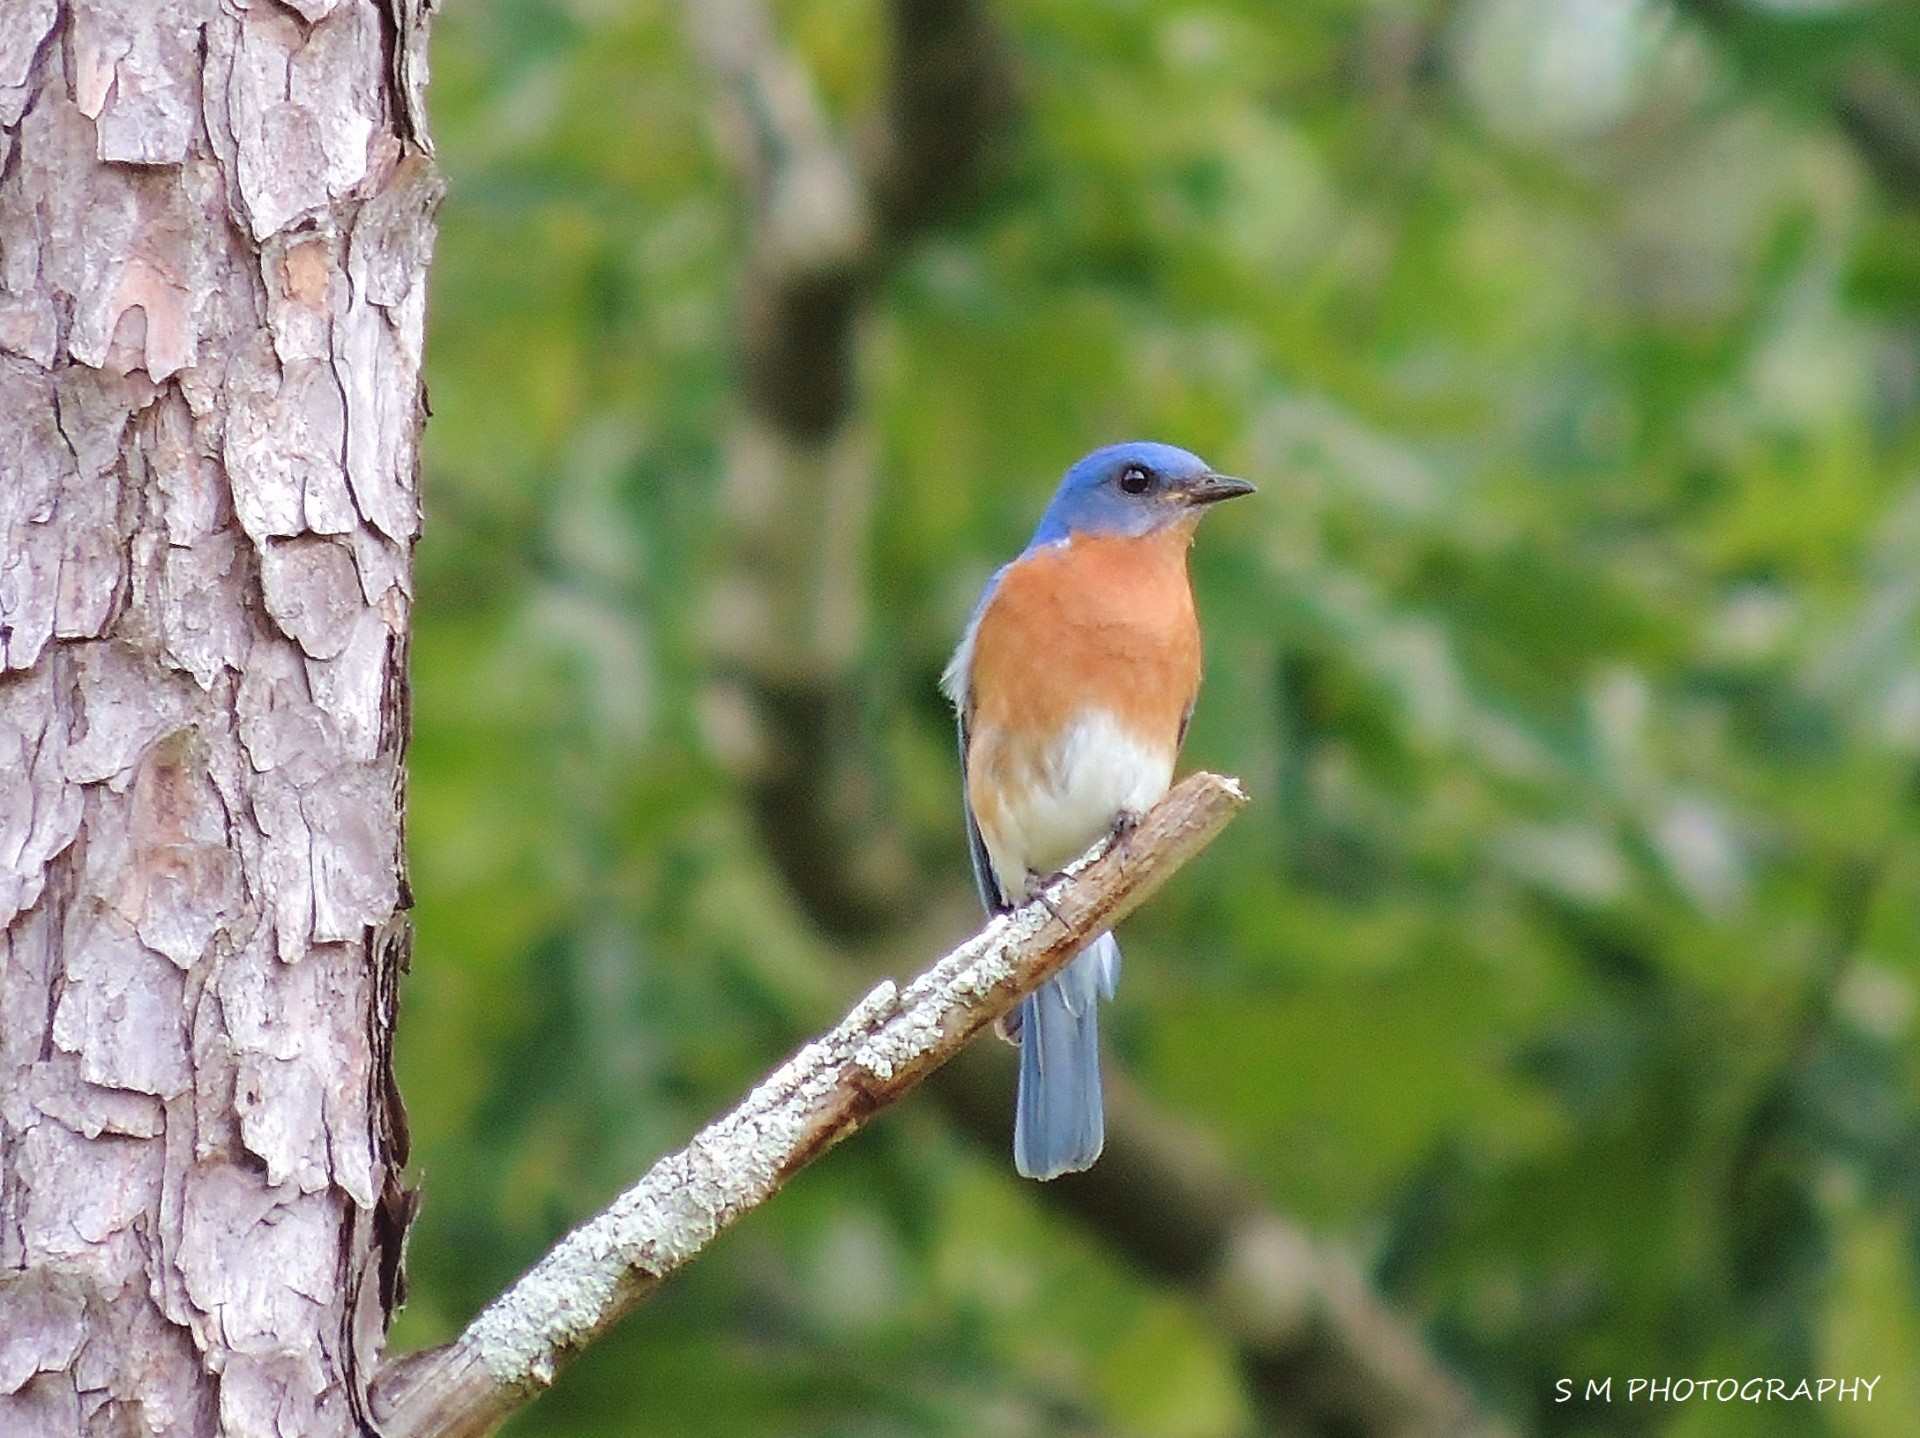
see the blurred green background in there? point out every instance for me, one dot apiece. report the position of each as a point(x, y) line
point(1563, 970)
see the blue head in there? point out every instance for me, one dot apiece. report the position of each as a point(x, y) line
point(1133, 489)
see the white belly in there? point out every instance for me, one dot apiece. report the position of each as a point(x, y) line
point(1092, 776)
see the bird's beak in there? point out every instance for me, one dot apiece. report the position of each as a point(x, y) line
point(1212, 488)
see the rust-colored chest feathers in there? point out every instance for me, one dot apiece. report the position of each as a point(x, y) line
point(1082, 672)
point(1103, 622)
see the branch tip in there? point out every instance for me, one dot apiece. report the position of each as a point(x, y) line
point(889, 1042)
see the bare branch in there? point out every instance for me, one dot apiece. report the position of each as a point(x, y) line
point(789, 627)
point(881, 1051)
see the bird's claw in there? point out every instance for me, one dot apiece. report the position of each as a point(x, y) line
point(1037, 893)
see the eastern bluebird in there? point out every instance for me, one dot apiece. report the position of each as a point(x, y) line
point(1074, 683)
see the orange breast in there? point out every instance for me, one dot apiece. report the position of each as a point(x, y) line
point(1100, 622)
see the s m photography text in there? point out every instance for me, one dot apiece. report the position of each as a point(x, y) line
point(1721, 1390)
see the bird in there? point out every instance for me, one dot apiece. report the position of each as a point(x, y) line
point(1074, 681)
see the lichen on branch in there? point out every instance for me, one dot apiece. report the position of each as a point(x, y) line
point(890, 1041)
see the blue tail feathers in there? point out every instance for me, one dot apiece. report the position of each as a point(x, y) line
point(1059, 1124)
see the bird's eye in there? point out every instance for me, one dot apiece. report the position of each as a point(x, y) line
point(1134, 479)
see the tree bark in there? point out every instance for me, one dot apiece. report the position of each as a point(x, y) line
point(215, 223)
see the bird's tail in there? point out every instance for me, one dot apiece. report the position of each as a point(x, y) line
point(1058, 1122)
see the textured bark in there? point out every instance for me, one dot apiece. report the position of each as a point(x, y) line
point(214, 229)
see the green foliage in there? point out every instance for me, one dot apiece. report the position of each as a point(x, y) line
point(1566, 964)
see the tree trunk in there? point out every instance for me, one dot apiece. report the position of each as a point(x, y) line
point(215, 223)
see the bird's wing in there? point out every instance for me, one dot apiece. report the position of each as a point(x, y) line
point(983, 880)
point(956, 681)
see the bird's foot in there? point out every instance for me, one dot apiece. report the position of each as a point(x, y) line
point(1037, 885)
point(1124, 825)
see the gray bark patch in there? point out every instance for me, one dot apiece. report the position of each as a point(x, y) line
point(213, 244)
